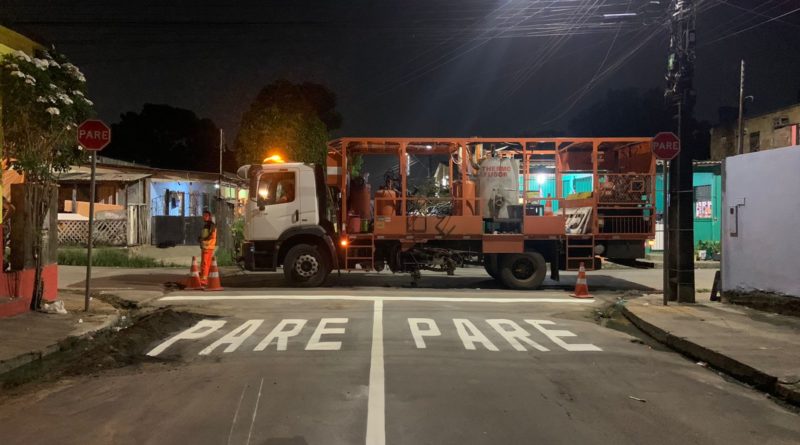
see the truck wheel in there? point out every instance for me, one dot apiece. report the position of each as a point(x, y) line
point(305, 266)
point(490, 264)
point(523, 271)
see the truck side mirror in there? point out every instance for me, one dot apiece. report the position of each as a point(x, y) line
point(252, 174)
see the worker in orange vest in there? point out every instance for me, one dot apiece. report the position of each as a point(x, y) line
point(208, 243)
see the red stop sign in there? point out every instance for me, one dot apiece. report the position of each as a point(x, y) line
point(94, 134)
point(666, 146)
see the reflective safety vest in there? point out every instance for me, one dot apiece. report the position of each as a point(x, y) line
point(208, 237)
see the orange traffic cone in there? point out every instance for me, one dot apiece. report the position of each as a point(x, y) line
point(194, 277)
point(581, 288)
point(213, 277)
point(548, 208)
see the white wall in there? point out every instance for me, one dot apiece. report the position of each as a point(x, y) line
point(766, 253)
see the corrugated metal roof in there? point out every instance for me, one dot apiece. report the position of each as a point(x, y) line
point(129, 173)
point(103, 177)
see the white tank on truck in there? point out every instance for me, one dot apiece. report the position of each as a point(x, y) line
point(498, 186)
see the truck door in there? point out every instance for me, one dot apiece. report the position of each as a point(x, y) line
point(278, 205)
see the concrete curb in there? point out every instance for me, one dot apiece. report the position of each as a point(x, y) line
point(127, 299)
point(32, 356)
point(739, 370)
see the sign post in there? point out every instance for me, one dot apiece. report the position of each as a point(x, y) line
point(93, 135)
point(665, 146)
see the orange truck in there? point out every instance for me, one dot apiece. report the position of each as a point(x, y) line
point(512, 205)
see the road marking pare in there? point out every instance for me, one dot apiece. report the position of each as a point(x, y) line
point(327, 335)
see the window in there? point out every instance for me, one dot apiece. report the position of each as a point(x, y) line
point(173, 203)
point(778, 122)
point(276, 188)
point(702, 201)
point(755, 141)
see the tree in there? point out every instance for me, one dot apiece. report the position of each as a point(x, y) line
point(292, 119)
point(44, 99)
point(163, 136)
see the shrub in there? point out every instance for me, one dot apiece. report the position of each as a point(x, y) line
point(107, 258)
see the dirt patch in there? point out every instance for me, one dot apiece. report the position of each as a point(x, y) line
point(765, 301)
point(121, 346)
point(610, 316)
point(117, 302)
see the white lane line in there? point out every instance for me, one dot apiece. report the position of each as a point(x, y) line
point(255, 411)
point(376, 405)
point(376, 298)
point(236, 413)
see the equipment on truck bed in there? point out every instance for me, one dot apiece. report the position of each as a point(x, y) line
point(511, 204)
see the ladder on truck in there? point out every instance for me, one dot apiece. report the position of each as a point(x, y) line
point(360, 250)
point(580, 239)
point(580, 249)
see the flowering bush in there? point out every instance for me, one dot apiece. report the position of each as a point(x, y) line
point(44, 100)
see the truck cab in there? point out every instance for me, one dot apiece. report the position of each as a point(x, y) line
point(286, 223)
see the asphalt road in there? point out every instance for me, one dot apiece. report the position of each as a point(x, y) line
point(470, 278)
point(397, 366)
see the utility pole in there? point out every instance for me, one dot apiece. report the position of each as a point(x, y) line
point(679, 259)
point(90, 240)
point(740, 131)
point(219, 178)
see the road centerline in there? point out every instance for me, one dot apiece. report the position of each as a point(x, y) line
point(376, 403)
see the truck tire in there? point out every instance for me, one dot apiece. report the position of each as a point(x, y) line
point(522, 271)
point(490, 264)
point(305, 266)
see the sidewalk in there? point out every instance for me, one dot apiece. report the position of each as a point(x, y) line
point(33, 335)
point(758, 348)
point(30, 336)
point(657, 258)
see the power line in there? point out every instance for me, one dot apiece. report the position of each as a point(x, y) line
point(755, 12)
point(736, 33)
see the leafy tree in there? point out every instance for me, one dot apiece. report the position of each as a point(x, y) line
point(44, 99)
point(163, 136)
point(292, 119)
point(355, 164)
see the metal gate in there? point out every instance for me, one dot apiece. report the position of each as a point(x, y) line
point(174, 230)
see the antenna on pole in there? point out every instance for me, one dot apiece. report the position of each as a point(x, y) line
point(740, 132)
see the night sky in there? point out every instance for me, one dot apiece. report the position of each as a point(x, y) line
point(412, 67)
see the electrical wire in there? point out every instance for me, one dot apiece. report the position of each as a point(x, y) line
point(736, 33)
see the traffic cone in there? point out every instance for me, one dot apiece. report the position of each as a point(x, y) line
point(213, 277)
point(548, 208)
point(194, 277)
point(581, 288)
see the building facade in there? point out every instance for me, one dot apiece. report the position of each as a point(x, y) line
point(160, 207)
point(779, 128)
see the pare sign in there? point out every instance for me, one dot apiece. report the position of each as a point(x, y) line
point(666, 146)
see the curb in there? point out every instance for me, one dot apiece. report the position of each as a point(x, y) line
point(32, 356)
point(118, 300)
point(736, 369)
